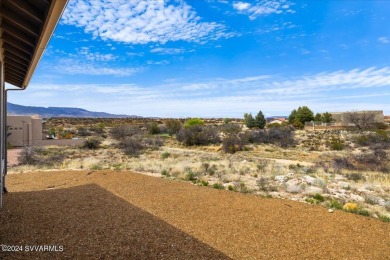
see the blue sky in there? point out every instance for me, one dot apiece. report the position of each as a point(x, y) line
point(216, 58)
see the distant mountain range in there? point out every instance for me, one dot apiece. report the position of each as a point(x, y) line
point(47, 112)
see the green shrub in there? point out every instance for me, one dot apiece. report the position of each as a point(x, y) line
point(335, 204)
point(193, 122)
point(165, 173)
point(96, 167)
point(204, 183)
point(384, 218)
point(218, 186)
point(165, 155)
point(336, 144)
point(153, 128)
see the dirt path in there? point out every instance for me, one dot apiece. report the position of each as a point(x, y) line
point(161, 219)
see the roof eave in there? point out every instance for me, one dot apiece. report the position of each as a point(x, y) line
point(56, 9)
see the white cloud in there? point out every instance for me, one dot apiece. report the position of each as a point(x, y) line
point(94, 56)
point(263, 7)
point(82, 67)
point(240, 6)
point(169, 51)
point(383, 39)
point(141, 21)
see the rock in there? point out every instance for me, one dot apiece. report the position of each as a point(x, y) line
point(330, 210)
point(293, 182)
point(357, 198)
point(311, 190)
point(343, 185)
point(290, 174)
point(280, 178)
point(308, 179)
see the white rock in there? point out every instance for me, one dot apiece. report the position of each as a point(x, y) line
point(311, 190)
point(280, 178)
point(357, 198)
point(343, 185)
point(330, 210)
point(308, 179)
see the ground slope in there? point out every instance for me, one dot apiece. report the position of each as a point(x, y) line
point(156, 218)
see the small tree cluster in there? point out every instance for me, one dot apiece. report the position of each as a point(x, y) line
point(324, 118)
point(193, 122)
point(299, 116)
point(258, 121)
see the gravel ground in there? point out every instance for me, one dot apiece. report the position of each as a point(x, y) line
point(109, 214)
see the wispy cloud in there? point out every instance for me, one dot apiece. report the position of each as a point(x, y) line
point(263, 7)
point(74, 67)
point(142, 21)
point(274, 94)
point(383, 39)
point(169, 51)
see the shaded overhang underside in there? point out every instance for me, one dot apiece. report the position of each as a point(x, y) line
point(25, 29)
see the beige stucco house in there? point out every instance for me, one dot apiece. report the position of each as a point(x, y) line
point(24, 130)
point(342, 118)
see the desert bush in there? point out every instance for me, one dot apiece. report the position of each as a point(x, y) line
point(340, 163)
point(165, 155)
point(123, 131)
point(153, 128)
point(335, 204)
point(230, 128)
point(32, 155)
point(28, 155)
point(281, 136)
point(218, 186)
point(92, 143)
point(193, 122)
point(96, 129)
point(173, 126)
point(198, 135)
point(336, 143)
point(152, 143)
point(231, 144)
point(131, 146)
point(82, 131)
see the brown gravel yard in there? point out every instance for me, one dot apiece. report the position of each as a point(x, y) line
point(114, 215)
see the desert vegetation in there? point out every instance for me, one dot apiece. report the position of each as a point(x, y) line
point(340, 169)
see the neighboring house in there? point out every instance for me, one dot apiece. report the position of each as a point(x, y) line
point(24, 130)
point(27, 131)
point(342, 118)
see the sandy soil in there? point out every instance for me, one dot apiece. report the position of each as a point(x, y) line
point(106, 214)
point(12, 156)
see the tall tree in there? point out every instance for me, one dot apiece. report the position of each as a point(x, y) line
point(301, 115)
point(249, 121)
point(327, 118)
point(318, 117)
point(260, 121)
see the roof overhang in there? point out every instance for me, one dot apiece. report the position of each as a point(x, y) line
point(25, 30)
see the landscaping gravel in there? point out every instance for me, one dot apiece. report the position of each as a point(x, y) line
point(124, 215)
